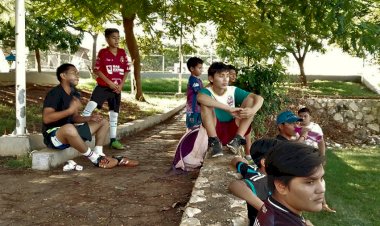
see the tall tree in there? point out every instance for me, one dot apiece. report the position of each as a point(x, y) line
point(42, 34)
point(83, 16)
point(298, 27)
point(146, 12)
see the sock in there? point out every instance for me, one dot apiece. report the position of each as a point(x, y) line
point(113, 123)
point(91, 155)
point(248, 157)
point(90, 107)
point(99, 150)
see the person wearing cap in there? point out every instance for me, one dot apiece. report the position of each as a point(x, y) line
point(253, 188)
point(295, 179)
point(286, 123)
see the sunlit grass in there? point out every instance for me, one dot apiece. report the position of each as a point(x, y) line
point(24, 161)
point(149, 85)
point(352, 181)
point(332, 88)
point(8, 118)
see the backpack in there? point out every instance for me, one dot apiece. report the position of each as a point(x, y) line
point(191, 149)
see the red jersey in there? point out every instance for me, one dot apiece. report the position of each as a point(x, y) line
point(113, 67)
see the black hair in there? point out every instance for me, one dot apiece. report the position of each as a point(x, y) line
point(307, 110)
point(62, 69)
point(231, 67)
point(288, 160)
point(109, 31)
point(193, 62)
point(216, 67)
point(260, 148)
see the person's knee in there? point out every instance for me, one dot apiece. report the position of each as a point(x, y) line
point(104, 123)
point(68, 130)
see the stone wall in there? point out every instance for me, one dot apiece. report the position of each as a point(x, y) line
point(357, 119)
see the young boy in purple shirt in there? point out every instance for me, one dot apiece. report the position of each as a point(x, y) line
point(193, 110)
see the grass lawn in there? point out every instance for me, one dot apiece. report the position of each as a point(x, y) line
point(332, 88)
point(315, 88)
point(352, 180)
point(149, 85)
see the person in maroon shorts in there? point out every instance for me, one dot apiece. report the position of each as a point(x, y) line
point(225, 123)
point(295, 179)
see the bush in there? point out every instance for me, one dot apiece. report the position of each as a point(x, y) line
point(265, 80)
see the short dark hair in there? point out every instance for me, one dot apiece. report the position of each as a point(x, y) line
point(307, 110)
point(231, 67)
point(260, 148)
point(193, 62)
point(216, 67)
point(62, 69)
point(288, 160)
point(109, 31)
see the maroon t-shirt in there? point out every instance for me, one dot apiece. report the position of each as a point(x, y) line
point(273, 213)
point(112, 66)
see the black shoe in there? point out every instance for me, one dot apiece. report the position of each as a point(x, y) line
point(215, 147)
point(235, 144)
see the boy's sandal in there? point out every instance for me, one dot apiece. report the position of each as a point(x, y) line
point(326, 208)
point(124, 161)
point(106, 162)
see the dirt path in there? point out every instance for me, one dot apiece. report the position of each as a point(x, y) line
point(121, 196)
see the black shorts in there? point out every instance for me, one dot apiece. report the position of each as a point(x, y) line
point(83, 131)
point(101, 94)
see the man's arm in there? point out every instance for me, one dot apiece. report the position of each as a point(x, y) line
point(322, 146)
point(120, 87)
point(110, 84)
point(241, 190)
point(236, 160)
point(208, 101)
point(248, 112)
point(77, 118)
point(50, 115)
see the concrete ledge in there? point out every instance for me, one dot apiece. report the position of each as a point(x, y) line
point(47, 158)
point(11, 145)
point(141, 124)
point(372, 82)
point(343, 78)
point(210, 202)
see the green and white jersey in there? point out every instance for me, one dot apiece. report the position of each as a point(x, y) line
point(233, 97)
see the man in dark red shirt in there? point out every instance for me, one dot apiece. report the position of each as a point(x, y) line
point(295, 179)
point(112, 69)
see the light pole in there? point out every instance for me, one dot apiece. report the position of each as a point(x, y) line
point(20, 69)
point(180, 64)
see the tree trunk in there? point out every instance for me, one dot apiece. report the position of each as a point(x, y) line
point(300, 58)
point(93, 60)
point(300, 62)
point(38, 58)
point(135, 54)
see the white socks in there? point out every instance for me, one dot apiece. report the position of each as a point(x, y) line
point(90, 107)
point(91, 155)
point(99, 150)
point(113, 123)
